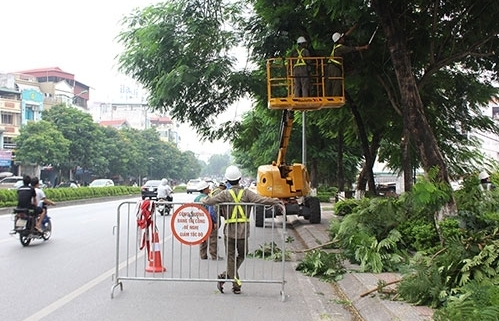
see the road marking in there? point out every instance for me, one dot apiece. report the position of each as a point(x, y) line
point(6, 240)
point(84, 288)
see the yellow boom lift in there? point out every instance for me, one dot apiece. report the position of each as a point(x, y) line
point(291, 182)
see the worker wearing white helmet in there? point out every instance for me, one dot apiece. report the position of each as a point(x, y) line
point(334, 70)
point(337, 36)
point(237, 223)
point(485, 183)
point(211, 244)
point(300, 77)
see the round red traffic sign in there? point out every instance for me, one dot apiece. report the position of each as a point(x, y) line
point(191, 224)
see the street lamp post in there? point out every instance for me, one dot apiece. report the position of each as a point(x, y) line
point(75, 97)
point(151, 160)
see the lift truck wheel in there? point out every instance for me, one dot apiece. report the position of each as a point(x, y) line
point(315, 209)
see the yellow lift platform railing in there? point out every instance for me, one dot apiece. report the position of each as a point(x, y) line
point(280, 85)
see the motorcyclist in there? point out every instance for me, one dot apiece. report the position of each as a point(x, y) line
point(26, 195)
point(26, 198)
point(165, 191)
point(42, 202)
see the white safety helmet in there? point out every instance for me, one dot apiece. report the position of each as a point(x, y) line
point(232, 173)
point(483, 175)
point(164, 182)
point(301, 40)
point(337, 36)
point(202, 185)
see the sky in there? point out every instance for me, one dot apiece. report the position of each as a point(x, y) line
point(79, 39)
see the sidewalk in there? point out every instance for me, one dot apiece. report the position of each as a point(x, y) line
point(370, 307)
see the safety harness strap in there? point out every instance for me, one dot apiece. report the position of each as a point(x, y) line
point(234, 218)
point(300, 61)
point(331, 58)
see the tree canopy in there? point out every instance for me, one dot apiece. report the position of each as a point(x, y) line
point(411, 98)
point(67, 139)
point(41, 143)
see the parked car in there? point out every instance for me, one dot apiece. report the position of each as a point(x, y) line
point(213, 183)
point(9, 182)
point(68, 184)
point(191, 185)
point(388, 188)
point(150, 189)
point(101, 182)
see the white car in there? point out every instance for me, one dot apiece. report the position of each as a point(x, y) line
point(191, 185)
point(10, 182)
point(101, 182)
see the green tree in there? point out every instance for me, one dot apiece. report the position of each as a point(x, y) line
point(41, 143)
point(112, 154)
point(137, 163)
point(180, 52)
point(216, 165)
point(421, 84)
point(78, 128)
point(462, 37)
point(191, 168)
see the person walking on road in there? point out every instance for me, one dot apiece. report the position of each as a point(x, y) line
point(212, 243)
point(237, 226)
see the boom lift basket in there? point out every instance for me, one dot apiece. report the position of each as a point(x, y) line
point(280, 85)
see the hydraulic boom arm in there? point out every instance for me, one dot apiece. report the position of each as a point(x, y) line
point(286, 125)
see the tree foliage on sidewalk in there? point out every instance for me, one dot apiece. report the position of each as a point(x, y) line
point(458, 277)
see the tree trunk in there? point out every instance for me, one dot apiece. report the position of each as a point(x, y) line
point(417, 125)
point(313, 172)
point(406, 155)
point(366, 175)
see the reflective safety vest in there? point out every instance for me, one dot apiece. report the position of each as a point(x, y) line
point(237, 199)
point(300, 61)
point(331, 58)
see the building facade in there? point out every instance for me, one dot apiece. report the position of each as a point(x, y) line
point(23, 97)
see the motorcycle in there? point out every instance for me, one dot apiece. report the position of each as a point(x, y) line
point(164, 208)
point(25, 226)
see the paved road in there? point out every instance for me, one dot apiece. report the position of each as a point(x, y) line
point(69, 277)
point(80, 261)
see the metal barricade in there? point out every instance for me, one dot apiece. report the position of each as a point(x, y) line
point(166, 248)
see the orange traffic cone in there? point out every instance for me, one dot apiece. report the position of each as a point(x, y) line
point(155, 256)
